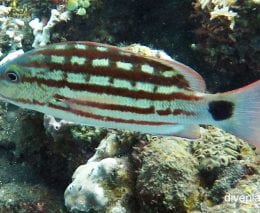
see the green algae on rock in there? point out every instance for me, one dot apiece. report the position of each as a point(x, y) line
point(241, 197)
point(90, 134)
point(223, 161)
point(177, 175)
point(216, 148)
point(78, 5)
point(167, 167)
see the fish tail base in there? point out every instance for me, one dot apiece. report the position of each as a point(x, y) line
point(243, 107)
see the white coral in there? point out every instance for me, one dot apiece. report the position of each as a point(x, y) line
point(224, 11)
point(55, 127)
point(93, 184)
point(107, 148)
point(42, 32)
point(220, 8)
point(217, 3)
point(86, 192)
point(146, 51)
point(4, 10)
point(256, 1)
point(12, 27)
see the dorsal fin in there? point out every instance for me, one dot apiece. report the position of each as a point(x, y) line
point(195, 80)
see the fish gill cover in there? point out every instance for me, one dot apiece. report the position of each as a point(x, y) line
point(119, 170)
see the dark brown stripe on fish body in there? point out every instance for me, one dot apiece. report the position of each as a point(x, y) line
point(114, 72)
point(168, 111)
point(109, 90)
point(117, 107)
point(114, 55)
point(94, 116)
point(111, 55)
point(109, 119)
point(123, 108)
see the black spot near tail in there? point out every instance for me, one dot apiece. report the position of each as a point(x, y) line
point(221, 110)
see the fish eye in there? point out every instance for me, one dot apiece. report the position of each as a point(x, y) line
point(12, 76)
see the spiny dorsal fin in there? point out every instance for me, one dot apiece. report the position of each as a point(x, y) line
point(195, 80)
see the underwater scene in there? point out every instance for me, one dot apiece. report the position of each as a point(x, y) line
point(129, 106)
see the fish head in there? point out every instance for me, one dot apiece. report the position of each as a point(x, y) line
point(11, 80)
point(21, 82)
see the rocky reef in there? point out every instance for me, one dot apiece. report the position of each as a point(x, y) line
point(177, 175)
point(104, 185)
point(227, 39)
point(21, 187)
point(125, 172)
point(217, 149)
point(162, 179)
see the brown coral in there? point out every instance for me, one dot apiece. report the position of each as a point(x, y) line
point(232, 53)
point(162, 179)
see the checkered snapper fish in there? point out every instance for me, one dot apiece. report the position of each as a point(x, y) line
point(106, 86)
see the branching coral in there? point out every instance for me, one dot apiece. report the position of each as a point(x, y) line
point(219, 8)
point(11, 30)
point(42, 32)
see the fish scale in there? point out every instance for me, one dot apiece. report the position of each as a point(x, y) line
point(101, 85)
point(57, 60)
point(108, 70)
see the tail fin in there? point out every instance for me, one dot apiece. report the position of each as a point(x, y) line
point(245, 119)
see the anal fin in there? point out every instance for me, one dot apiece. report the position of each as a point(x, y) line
point(189, 131)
